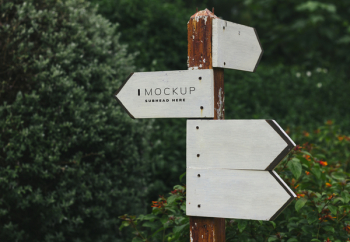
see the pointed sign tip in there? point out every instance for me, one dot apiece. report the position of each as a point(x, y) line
point(287, 189)
point(285, 151)
point(262, 50)
point(117, 92)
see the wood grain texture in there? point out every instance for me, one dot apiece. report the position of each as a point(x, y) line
point(234, 144)
point(235, 46)
point(240, 194)
point(169, 94)
point(199, 40)
point(207, 229)
point(219, 94)
point(199, 35)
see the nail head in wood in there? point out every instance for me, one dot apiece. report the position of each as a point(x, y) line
point(199, 205)
point(197, 127)
point(200, 78)
point(199, 175)
point(198, 155)
point(201, 107)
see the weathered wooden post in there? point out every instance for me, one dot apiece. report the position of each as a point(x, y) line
point(199, 37)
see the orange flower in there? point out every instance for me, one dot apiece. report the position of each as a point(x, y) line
point(329, 122)
point(299, 195)
point(340, 138)
point(297, 148)
point(328, 184)
point(323, 163)
point(296, 186)
point(347, 228)
point(307, 157)
point(328, 240)
point(306, 134)
point(307, 173)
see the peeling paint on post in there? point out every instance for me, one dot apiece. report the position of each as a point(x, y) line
point(199, 37)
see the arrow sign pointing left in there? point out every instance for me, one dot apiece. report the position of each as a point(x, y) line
point(168, 94)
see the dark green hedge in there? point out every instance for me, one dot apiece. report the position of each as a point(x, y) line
point(71, 161)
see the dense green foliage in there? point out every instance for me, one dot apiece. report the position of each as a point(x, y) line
point(71, 160)
point(315, 171)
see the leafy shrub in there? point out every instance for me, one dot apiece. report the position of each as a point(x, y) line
point(316, 171)
point(70, 161)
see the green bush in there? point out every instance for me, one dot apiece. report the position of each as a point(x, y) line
point(71, 160)
point(316, 171)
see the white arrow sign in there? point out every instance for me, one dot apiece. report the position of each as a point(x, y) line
point(236, 144)
point(241, 194)
point(168, 94)
point(235, 46)
point(229, 169)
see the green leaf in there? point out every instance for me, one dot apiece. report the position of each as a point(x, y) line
point(320, 156)
point(183, 207)
point(295, 167)
point(124, 224)
point(315, 240)
point(242, 224)
point(272, 238)
point(316, 171)
point(329, 229)
point(171, 199)
point(300, 203)
point(306, 153)
point(152, 225)
point(312, 218)
point(273, 224)
point(305, 162)
point(137, 239)
point(339, 175)
point(345, 195)
point(333, 209)
point(150, 217)
point(161, 229)
point(164, 219)
point(178, 229)
point(182, 175)
point(292, 240)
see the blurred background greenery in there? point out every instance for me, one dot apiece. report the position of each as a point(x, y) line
point(63, 60)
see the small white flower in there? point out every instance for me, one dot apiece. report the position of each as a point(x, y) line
point(318, 69)
point(319, 85)
point(308, 73)
point(325, 70)
point(298, 74)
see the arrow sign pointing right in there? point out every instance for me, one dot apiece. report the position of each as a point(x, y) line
point(241, 194)
point(236, 144)
point(235, 46)
point(230, 169)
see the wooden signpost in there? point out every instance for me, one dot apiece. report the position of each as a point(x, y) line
point(229, 162)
